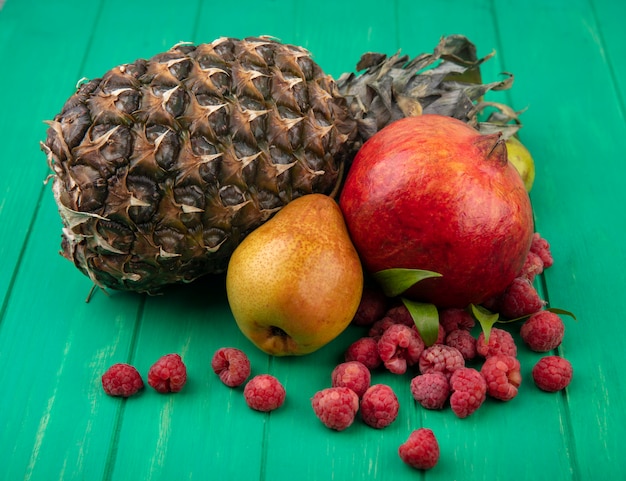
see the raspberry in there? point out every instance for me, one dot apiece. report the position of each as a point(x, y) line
point(420, 450)
point(453, 318)
point(541, 247)
point(379, 406)
point(552, 373)
point(503, 376)
point(122, 380)
point(469, 390)
point(400, 346)
point(431, 390)
point(441, 334)
point(400, 315)
point(371, 308)
point(463, 341)
point(543, 331)
point(379, 327)
point(364, 350)
point(520, 299)
point(336, 407)
point(354, 375)
point(533, 266)
point(440, 357)
point(500, 342)
point(264, 393)
point(231, 365)
point(168, 374)
point(395, 315)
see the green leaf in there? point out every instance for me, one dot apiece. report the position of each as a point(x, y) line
point(426, 319)
point(556, 310)
point(485, 317)
point(563, 312)
point(395, 281)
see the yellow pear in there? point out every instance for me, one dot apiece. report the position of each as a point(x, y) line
point(523, 161)
point(295, 283)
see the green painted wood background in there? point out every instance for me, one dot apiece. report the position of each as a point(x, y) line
point(56, 423)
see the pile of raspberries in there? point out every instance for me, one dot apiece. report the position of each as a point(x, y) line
point(459, 369)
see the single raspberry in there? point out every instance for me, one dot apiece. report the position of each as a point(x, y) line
point(442, 358)
point(264, 393)
point(372, 307)
point(379, 327)
point(400, 346)
point(454, 318)
point(469, 391)
point(168, 374)
point(364, 350)
point(231, 365)
point(463, 341)
point(441, 335)
point(336, 407)
point(431, 390)
point(552, 373)
point(503, 376)
point(541, 247)
point(122, 380)
point(520, 299)
point(500, 342)
point(379, 406)
point(420, 450)
point(533, 266)
point(543, 331)
point(400, 315)
point(353, 374)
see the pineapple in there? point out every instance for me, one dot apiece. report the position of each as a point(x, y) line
point(161, 167)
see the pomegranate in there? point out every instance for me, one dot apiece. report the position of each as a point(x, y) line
point(432, 193)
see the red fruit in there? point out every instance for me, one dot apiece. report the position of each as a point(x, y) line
point(503, 376)
point(469, 390)
point(552, 373)
point(543, 331)
point(231, 365)
point(336, 407)
point(430, 192)
point(421, 450)
point(352, 374)
point(371, 308)
point(168, 374)
point(264, 393)
point(379, 406)
point(122, 380)
point(400, 347)
point(364, 350)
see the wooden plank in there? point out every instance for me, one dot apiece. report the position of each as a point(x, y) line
point(578, 199)
point(58, 422)
point(24, 28)
point(609, 35)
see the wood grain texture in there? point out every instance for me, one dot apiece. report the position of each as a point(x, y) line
point(58, 423)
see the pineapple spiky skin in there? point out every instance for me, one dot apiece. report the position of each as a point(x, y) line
point(162, 166)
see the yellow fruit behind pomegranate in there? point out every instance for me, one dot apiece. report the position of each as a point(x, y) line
point(295, 283)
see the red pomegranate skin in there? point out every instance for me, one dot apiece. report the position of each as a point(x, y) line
point(432, 193)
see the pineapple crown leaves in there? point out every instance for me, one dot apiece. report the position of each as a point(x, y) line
point(446, 82)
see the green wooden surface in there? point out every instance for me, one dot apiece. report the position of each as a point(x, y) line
point(568, 60)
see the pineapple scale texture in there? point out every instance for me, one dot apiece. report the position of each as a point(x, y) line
point(162, 166)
